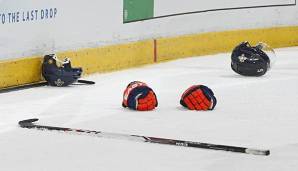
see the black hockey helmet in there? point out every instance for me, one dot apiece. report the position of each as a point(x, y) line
point(250, 60)
point(59, 73)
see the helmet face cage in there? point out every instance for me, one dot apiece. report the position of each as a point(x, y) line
point(252, 60)
point(270, 53)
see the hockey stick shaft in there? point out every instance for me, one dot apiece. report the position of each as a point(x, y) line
point(29, 124)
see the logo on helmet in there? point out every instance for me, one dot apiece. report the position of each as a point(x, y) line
point(260, 70)
point(242, 58)
point(59, 82)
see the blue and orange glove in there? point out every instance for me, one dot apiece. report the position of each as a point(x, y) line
point(138, 96)
point(198, 97)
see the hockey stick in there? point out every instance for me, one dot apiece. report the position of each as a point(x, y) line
point(86, 82)
point(30, 125)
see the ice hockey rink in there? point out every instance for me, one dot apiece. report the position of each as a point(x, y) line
point(256, 112)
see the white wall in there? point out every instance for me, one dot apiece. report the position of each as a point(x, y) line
point(92, 23)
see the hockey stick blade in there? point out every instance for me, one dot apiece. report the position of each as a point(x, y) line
point(86, 82)
point(30, 125)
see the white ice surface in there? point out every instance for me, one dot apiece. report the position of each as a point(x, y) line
point(256, 112)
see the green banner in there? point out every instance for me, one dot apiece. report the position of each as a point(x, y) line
point(136, 10)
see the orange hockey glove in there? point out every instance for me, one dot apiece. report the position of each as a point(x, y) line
point(138, 96)
point(198, 97)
